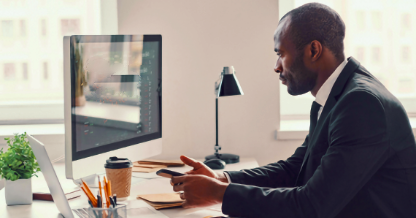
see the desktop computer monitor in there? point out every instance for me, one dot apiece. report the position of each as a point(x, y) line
point(112, 100)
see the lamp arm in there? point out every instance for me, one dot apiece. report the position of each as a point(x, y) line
point(217, 147)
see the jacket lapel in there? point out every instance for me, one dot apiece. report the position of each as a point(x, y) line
point(336, 90)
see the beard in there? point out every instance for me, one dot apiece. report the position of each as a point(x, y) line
point(299, 79)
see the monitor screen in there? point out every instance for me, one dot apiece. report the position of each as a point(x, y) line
point(115, 92)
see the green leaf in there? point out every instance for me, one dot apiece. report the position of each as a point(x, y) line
point(18, 161)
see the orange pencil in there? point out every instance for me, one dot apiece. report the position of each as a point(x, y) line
point(91, 198)
point(101, 194)
point(109, 188)
point(107, 201)
point(88, 189)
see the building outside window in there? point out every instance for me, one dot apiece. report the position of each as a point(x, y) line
point(31, 32)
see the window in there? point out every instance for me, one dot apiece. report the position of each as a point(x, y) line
point(69, 27)
point(360, 20)
point(7, 30)
point(22, 28)
point(361, 54)
point(376, 20)
point(372, 42)
point(45, 70)
point(9, 71)
point(25, 75)
point(376, 54)
point(406, 21)
point(406, 54)
point(31, 74)
point(43, 27)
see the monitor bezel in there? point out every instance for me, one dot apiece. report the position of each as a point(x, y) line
point(77, 155)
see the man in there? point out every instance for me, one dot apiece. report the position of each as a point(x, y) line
point(359, 158)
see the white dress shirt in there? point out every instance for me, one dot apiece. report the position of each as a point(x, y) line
point(326, 88)
point(322, 95)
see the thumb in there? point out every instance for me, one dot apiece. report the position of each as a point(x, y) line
point(190, 161)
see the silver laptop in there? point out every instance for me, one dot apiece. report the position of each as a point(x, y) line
point(139, 209)
point(52, 180)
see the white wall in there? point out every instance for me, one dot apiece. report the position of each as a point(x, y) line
point(199, 39)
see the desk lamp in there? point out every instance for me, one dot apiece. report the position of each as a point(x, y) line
point(227, 86)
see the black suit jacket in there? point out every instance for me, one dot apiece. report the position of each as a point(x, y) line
point(359, 162)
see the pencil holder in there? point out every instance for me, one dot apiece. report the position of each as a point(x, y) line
point(120, 211)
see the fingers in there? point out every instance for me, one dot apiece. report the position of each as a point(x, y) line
point(192, 172)
point(190, 161)
point(182, 195)
point(178, 179)
point(178, 187)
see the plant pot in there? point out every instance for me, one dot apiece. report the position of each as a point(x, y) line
point(18, 192)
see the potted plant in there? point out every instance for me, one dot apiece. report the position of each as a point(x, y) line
point(18, 165)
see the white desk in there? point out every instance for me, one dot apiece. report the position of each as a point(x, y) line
point(150, 186)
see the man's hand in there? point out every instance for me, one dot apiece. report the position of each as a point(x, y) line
point(201, 169)
point(199, 190)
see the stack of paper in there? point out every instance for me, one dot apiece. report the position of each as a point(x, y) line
point(169, 163)
point(160, 201)
point(148, 166)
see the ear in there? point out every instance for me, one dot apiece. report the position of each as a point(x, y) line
point(315, 50)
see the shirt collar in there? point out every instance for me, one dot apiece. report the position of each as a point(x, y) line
point(326, 88)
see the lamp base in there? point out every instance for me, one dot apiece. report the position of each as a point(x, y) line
point(227, 158)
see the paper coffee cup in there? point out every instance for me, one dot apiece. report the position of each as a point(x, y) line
point(119, 171)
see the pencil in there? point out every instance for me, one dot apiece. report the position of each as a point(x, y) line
point(88, 191)
point(88, 195)
point(109, 191)
point(87, 188)
point(109, 188)
point(101, 194)
point(106, 193)
point(99, 200)
point(91, 198)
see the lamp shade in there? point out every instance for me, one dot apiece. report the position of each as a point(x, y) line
point(229, 84)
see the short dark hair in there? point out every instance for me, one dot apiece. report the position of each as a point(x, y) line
point(315, 21)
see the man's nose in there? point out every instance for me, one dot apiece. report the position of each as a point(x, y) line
point(278, 67)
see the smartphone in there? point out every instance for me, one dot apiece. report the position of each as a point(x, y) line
point(168, 173)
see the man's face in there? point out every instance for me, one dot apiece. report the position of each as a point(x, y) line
point(293, 72)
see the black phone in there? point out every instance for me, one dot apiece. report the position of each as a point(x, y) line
point(168, 173)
